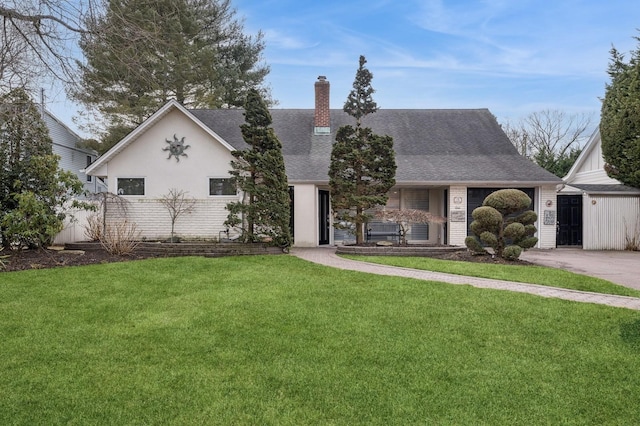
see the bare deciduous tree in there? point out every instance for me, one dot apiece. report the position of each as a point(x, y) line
point(177, 203)
point(39, 36)
point(404, 218)
point(550, 138)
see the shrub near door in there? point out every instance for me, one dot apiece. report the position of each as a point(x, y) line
point(504, 224)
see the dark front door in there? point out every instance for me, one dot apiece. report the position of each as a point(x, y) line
point(569, 220)
point(324, 217)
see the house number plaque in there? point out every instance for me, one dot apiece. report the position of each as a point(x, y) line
point(458, 216)
point(549, 217)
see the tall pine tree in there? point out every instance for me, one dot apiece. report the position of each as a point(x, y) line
point(363, 164)
point(141, 54)
point(620, 119)
point(260, 174)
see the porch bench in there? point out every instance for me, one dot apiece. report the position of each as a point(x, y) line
point(383, 230)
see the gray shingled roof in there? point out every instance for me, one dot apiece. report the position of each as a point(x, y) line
point(606, 189)
point(434, 146)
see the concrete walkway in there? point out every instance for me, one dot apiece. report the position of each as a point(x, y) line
point(326, 256)
point(617, 266)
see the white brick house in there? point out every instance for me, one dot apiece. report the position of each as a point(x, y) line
point(448, 160)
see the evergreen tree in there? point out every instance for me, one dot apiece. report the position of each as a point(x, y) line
point(363, 164)
point(140, 54)
point(558, 164)
point(620, 119)
point(32, 187)
point(260, 174)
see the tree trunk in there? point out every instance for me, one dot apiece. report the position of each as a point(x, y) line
point(359, 226)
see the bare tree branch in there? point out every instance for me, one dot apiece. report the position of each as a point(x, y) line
point(42, 34)
point(550, 138)
point(37, 19)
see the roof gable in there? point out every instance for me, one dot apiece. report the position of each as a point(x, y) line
point(589, 166)
point(146, 125)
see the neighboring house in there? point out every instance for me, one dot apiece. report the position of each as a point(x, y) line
point(594, 210)
point(72, 157)
point(448, 161)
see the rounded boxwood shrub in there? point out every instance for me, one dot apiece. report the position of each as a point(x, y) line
point(508, 236)
point(485, 219)
point(474, 245)
point(512, 252)
point(508, 201)
point(515, 231)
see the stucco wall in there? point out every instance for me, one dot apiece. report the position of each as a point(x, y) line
point(145, 158)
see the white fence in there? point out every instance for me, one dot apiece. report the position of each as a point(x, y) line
point(74, 227)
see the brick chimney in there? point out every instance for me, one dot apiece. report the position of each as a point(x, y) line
point(322, 120)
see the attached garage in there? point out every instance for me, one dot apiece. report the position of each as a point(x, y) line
point(595, 211)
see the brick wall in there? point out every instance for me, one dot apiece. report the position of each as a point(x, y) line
point(322, 117)
point(153, 221)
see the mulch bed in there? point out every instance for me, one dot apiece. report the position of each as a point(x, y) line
point(466, 256)
point(45, 258)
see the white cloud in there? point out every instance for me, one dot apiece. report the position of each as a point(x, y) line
point(278, 39)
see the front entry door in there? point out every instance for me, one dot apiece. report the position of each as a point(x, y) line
point(324, 217)
point(569, 220)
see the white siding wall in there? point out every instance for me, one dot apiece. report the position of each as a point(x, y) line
point(608, 221)
point(457, 230)
point(547, 233)
point(305, 198)
point(591, 169)
point(72, 158)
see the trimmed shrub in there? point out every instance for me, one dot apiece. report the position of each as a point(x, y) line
point(485, 219)
point(489, 239)
point(527, 243)
point(474, 245)
point(512, 252)
point(507, 236)
point(507, 201)
point(514, 231)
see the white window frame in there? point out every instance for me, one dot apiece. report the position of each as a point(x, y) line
point(210, 178)
point(144, 186)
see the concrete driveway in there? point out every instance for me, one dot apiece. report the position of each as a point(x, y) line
point(620, 267)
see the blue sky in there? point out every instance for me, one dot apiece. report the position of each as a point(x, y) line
point(514, 57)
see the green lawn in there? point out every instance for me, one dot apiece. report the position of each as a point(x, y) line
point(518, 273)
point(277, 340)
